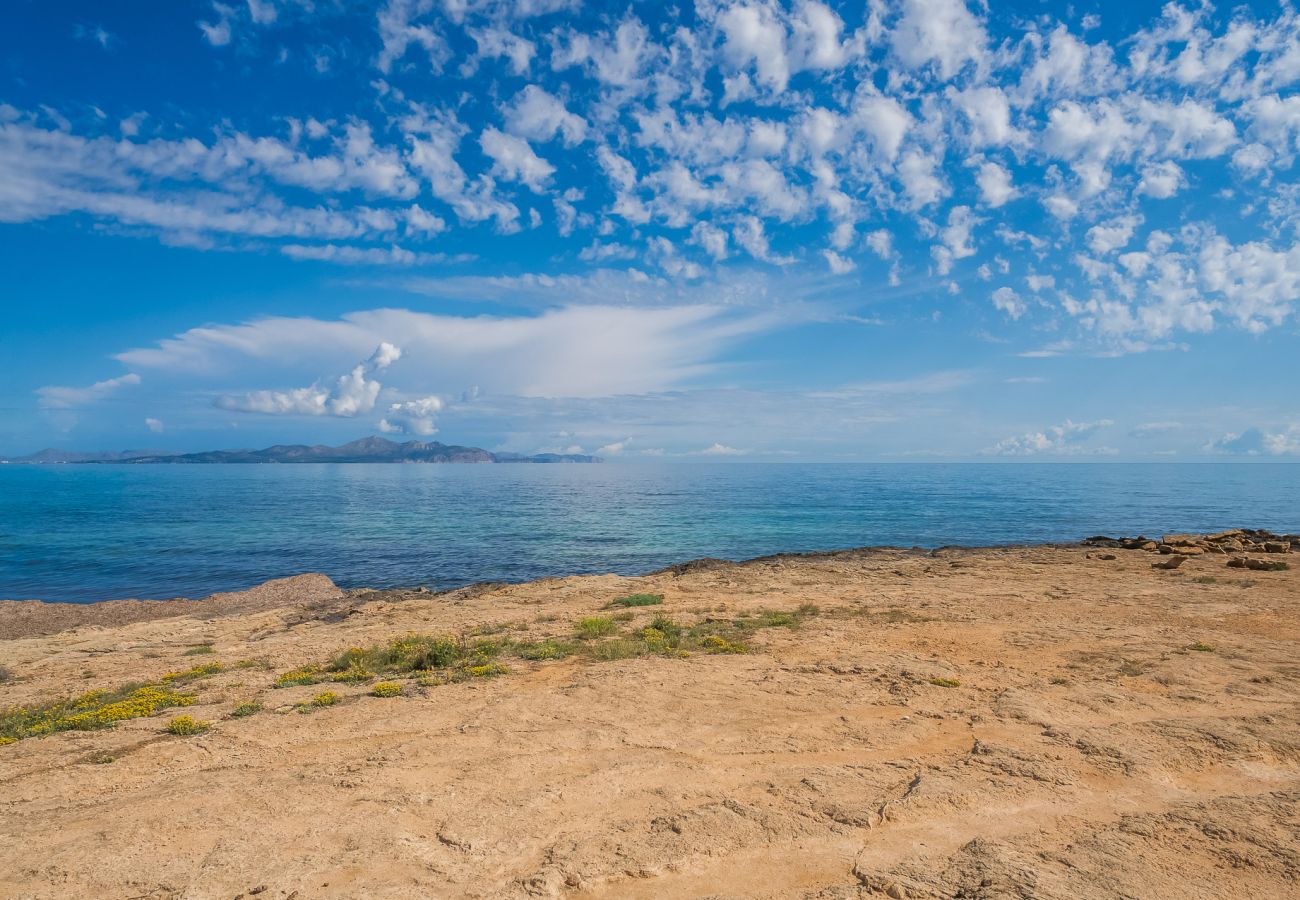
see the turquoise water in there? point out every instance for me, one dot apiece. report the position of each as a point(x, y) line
point(87, 533)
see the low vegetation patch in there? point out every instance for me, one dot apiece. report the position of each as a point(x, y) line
point(538, 650)
point(387, 689)
point(95, 709)
point(247, 708)
point(199, 650)
point(1201, 647)
point(945, 682)
point(594, 627)
point(328, 698)
point(202, 670)
point(186, 726)
point(637, 600)
point(5, 675)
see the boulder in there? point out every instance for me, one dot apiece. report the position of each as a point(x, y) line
point(1188, 551)
point(1172, 562)
point(1276, 547)
point(1225, 535)
point(1183, 540)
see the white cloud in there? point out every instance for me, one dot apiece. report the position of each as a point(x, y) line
point(1065, 439)
point(412, 416)
point(539, 116)
point(514, 159)
point(839, 265)
point(350, 395)
point(1162, 180)
point(1009, 302)
point(580, 351)
point(749, 234)
point(398, 32)
point(73, 397)
point(1112, 235)
point(942, 33)
point(154, 425)
point(721, 450)
point(1259, 442)
point(995, 185)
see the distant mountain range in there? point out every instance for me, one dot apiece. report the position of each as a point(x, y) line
point(366, 450)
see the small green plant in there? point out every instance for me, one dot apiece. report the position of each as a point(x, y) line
point(186, 726)
point(6, 741)
point(638, 600)
point(715, 643)
point(1201, 647)
point(387, 689)
point(538, 650)
point(328, 698)
point(247, 708)
point(488, 670)
point(199, 650)
point(202, 670)
point(594, 627)
point(945, 682)
point(299, 676)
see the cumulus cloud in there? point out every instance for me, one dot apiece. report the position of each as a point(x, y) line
point(412, 416)
point(537, 115)
point(514, 159)
point(348, 396)
point(721, 450)
point(154, 425)
point(1067, 438)
point(1259, 442)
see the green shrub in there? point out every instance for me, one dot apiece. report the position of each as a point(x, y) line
point(945, 682)
point(246, 708)
point(328, 698)
point(387, 689)
point(199, 650)
point(638, 600)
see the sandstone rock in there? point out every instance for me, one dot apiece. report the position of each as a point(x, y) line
point(1183, 540)
point(1276, 547)
point(1237, 562)
point(1188, 551)
point(1231, 546)
point(1224, 535)
point(1172, 562)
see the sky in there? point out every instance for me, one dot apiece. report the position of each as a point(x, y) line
point(894, 230)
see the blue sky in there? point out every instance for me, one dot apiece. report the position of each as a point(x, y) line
point(894, 230)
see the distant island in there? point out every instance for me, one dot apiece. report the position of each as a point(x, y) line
point(366, 450)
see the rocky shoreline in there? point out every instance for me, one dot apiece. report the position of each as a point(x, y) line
point(1237, 543)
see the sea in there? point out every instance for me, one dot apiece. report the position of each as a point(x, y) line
point(84, 533)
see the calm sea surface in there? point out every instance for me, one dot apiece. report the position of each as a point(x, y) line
point(95, 532)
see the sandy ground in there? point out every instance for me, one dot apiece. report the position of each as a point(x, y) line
point(1086, 752)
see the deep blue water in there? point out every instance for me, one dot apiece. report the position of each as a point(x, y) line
point(99, 532)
